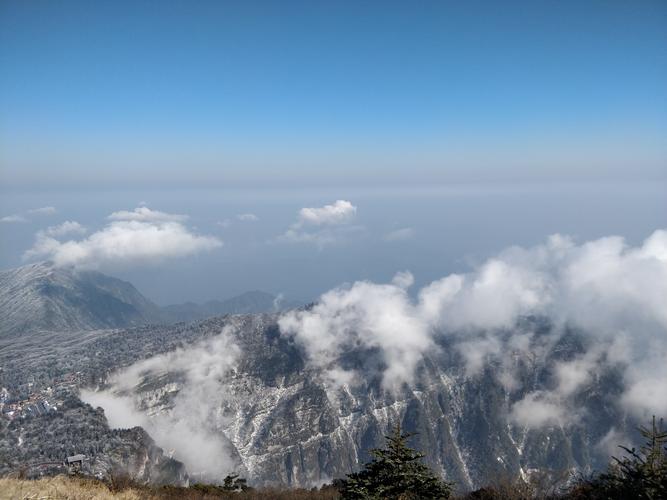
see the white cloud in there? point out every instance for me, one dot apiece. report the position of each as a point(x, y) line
point(143, 237)
point(224, 223)
point(614, 294)
point(67, 227)
point(33, 211)
point(145, 214)
point(539, 409)
point(247, 217)
point(403, 279)
point(10, 219)
point(608, 446)
point(340, 212)
point(405, 233)
point(646, 383)
point(322, 226)
point(43, 211)
point(192, 426)
point(365, 314)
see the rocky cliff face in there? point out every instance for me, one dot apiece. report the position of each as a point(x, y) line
point(289, 426)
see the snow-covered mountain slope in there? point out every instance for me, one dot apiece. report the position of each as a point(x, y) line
point(44, 297)
point(278, 421)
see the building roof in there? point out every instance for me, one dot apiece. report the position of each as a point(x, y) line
point(75, 458)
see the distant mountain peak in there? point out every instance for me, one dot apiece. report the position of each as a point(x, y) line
point(254, 301)
point(41, 296)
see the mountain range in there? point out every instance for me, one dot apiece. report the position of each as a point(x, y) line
point(42, 296)
point(245, 397)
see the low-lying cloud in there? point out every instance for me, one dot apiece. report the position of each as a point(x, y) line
point(613, 293)
point(141, 236)
point(190, 425)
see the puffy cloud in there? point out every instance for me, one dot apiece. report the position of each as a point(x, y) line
point(43, 211)
point(67, 227)
point(405, 233)
point(612, 293)
point(247, 217)
point(322, 226)
point(340, 212)
point(10, 219)
point(145, 214)
point(368, 315)
point(144, 236)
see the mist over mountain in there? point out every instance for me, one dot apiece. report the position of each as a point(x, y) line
point(533, 364)
point(469, 198)
point(245, 398)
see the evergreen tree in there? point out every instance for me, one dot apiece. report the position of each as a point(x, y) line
point(394, 473)
point(233, 482)
point(642, 474)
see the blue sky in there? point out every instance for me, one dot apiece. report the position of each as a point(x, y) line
point(455, 129)
point(320, 92)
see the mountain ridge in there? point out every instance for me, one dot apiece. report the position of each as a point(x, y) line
point(42, 296)
point(254, 301)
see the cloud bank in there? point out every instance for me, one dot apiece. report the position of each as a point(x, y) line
point(614, 294)
point(140, 236)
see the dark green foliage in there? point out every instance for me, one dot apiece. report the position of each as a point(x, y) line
point(231, 483)
point(642, 474)
point(234, 483)
point(395, 472)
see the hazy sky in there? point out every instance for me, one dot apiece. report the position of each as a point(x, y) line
point(452, 130)
point(309, 92)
